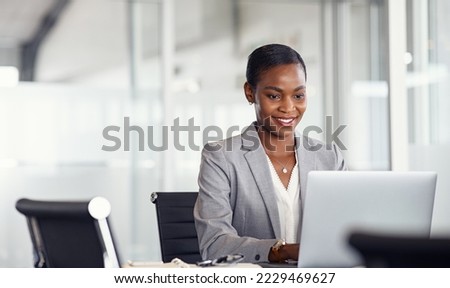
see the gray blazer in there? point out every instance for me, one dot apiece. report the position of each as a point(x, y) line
point(236, 209)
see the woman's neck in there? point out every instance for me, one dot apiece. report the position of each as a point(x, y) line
point(276, 145)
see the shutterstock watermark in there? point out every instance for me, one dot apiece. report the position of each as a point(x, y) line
point(158, 140)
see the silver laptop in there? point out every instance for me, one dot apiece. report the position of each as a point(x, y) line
point(340, 202)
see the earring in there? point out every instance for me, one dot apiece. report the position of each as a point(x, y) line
point(250, 103)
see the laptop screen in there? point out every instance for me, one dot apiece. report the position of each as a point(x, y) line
point(340, 202)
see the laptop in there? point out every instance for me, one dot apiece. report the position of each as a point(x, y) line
point(340, 202)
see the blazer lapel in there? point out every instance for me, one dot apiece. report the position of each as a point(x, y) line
point(259, 168)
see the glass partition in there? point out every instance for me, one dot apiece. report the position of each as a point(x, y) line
point(428, 98)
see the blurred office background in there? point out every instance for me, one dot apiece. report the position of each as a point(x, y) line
point(68, 69)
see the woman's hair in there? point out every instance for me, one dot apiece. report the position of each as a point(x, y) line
point(268, 56)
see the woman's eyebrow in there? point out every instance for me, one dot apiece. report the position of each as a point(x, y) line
point(273, 88)
point(300, 87)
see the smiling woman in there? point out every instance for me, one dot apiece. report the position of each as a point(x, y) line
point(251, 186)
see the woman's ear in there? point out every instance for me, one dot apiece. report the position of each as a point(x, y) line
point(249, 93)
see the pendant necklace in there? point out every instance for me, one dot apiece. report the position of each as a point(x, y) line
point(283, 169)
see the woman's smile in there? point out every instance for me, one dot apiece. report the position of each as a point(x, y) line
point(285, 121)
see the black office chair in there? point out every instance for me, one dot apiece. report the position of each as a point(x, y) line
point(177, 233)
point(387, 251)
point(70, 234)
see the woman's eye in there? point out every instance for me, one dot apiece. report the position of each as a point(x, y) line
point(299, 96)
point(273, 97)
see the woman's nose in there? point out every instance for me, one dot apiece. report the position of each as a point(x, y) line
point(286, 105)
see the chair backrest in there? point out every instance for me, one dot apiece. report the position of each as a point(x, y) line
point(177, 233)
point(70, 234)
point(387, 251)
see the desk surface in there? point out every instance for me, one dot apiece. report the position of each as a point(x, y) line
point(277, 265)
point(144, 264)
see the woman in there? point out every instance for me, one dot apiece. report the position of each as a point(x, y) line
point(251, 186)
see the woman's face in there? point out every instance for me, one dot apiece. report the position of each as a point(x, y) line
point(279, 98)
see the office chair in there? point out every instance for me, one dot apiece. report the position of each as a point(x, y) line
point(177, 233)
point(387, 251)
point(70, 234)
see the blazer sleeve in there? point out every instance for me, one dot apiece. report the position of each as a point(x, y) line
point(213, 213)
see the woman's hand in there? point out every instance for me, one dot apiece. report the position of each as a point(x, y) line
point(285, 252)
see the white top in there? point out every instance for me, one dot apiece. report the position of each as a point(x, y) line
point(288, 202)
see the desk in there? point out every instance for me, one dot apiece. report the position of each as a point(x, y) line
point(181, 264)
point(277, 265)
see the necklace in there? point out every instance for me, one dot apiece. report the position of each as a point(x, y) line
point(283, 169)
